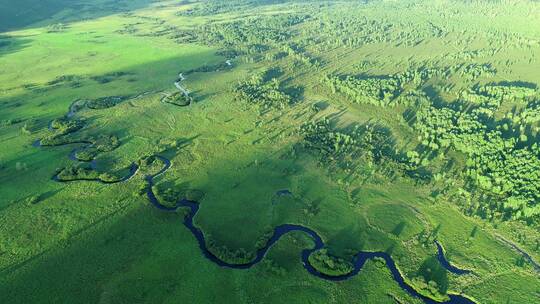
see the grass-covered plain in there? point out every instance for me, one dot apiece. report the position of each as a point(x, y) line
point(389, 123)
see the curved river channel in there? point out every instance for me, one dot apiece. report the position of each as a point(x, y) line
point(359, 258)
point(444, 262)
point(358, 261)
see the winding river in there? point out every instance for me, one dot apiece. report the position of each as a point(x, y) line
point(446, 264)
point(133, 168)
point(179, 87)
point(358, 261)
point(359, 258)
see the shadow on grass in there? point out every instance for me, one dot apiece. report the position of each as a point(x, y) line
point(9, 44)
point(432, 271)
point(52, 102)
point(16, 15)
point(76, 272)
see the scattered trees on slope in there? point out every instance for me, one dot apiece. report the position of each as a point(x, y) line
point(266, 94)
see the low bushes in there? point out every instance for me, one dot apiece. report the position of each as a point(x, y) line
point(179, 99)
point(330, 265)
point(105, 102)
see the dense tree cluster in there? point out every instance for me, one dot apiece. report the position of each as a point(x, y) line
point(149, 162)
point(169, 193)
point(251, 32)
point(213, 7)
point(179, 99)
point(502, 155)
point(65, 126)
point(267, 94)
point(61, 129)
point(328, 264)
point(224, 253)
point(104, 102)
point(530, 114)
point(71, 80)
point(74, 173)
point(503, 164)
point(383, 90)
point(379, 91)
point(240, 255)
point(349, 27)
point(222, 66)
point(474, 70)
point(372, 143)
point(431, 279)
point(491, 96)
point(331, 144)
point(100, 144)
point(62, 133)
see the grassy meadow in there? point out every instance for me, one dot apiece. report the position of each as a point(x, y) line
point(259, 74)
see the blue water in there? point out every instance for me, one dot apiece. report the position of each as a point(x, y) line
point(358, 262)
point(359, 259)
point(446, 264)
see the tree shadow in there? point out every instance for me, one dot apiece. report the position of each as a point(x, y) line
point(111, 244)
point(432, 270)
point(10, 44)
point(346, 242)
point(399, 228)
point(518, 83)
point(272, 73)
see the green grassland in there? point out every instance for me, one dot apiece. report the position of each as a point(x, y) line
point(373, 115)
